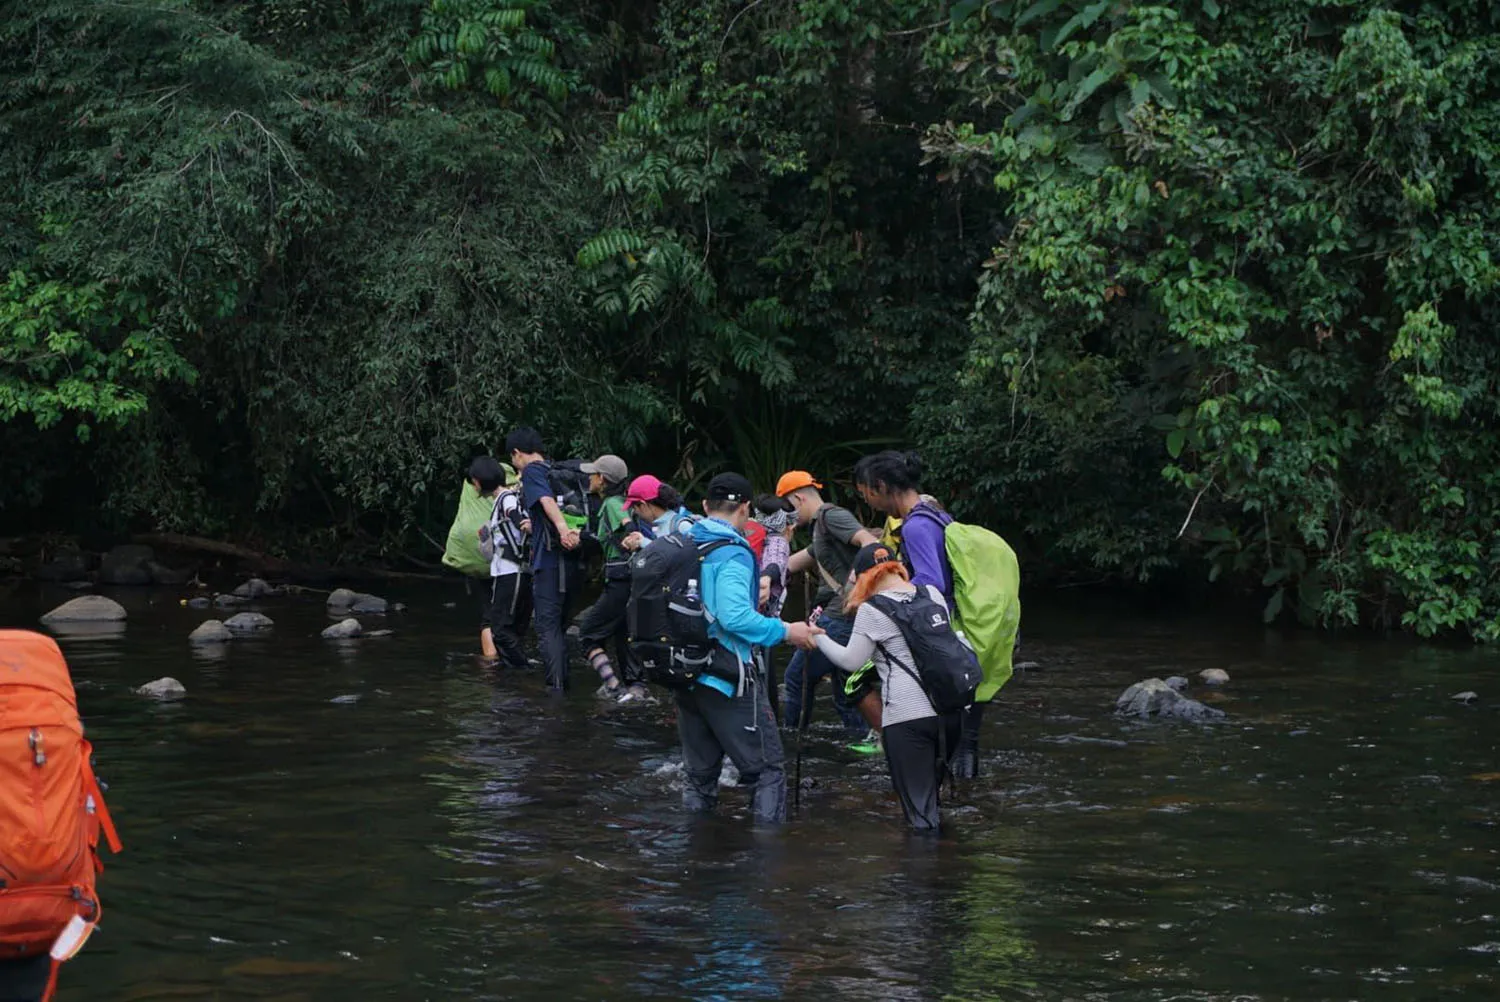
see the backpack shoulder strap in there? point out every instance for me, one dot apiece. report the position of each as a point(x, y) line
point(894, 611)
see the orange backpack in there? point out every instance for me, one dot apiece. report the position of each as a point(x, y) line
point(51, 811)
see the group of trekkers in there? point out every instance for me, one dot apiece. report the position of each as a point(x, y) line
point(913, 625)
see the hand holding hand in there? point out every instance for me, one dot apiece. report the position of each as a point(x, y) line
point(570, 539)
point(801, 635)
point(632, 541)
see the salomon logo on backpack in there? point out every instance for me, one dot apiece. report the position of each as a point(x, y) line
point(946, 667)
point(51, 810)
point(665, 622)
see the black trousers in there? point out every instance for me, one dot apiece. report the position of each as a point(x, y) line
point(508, 616)
point(713, 725)
point(914, 751)
point(551, 596)
point(605, 620)
point(24, 980)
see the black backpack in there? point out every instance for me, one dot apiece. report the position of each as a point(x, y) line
point(946, 669)
point(665, 622)
point(570, 485)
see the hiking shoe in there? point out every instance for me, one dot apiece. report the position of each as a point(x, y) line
point(867, 745)
point(605, 692)
point(637, 694)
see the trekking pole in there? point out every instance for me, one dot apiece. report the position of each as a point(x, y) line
point(802, 709)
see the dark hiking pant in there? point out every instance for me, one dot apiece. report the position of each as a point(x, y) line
point(914, 751)
point(551, 594)
point(605, 620)
point(966, 760)
point(712, 725)
point(807, 668)
point(509, 615)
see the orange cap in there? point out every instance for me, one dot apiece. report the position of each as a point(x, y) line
point(795, 481)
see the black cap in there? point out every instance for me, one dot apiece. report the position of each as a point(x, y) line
point(869, 556)
point(730, 487)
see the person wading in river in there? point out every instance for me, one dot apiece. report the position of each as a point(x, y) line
point(915, 736)
point(550, 536)
point(606, 617)
point(502, 540)
point(727, 710)
point(836, 537)
point(890, 482)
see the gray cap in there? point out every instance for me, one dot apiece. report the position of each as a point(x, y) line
point(611, 468)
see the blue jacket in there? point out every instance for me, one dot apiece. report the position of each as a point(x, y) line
point(731, 592)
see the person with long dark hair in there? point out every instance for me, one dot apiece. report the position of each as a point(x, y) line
point(891, 483)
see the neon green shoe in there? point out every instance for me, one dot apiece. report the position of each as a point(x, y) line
point(868, 745)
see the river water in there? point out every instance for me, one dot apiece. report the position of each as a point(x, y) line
point(376, 820)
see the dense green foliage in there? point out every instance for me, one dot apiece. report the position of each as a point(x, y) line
point(1201, 287)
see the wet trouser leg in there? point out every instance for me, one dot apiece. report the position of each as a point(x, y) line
point(808, 668)
point(914, 751)
point(549, 601)
point(712, 725)
point(966, 760)
point(510, 596)
point(600, 622)
point(24, 980)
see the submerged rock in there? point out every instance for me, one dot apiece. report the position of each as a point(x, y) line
point(256, 588)
point(377, 633)
point(343, 630)
point(87, 609)
point(201, 602)
point(210, 631)
point(369, 604)
point(67, 565)
point(1214, 676)
point(248, 622)
point(1153, 697)
point(163, 689)
point(1178, 683)
point(163, 575)
point(345, 700)
point(224, 601)
point(127, 565)
point(1465, 697)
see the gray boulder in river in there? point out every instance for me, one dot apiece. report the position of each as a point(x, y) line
point(356, 601)
point(1155, 698)
point(87, 609)
point(248, 622)
point(256, 588)
point(210, 631)
point(163, 689)
point(344, 630)
point(126, 565)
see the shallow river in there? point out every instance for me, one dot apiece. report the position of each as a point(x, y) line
point(452, 834)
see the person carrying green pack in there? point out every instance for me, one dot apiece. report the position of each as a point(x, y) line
point(975, 570)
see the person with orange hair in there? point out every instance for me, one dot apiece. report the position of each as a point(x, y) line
point(917, 739)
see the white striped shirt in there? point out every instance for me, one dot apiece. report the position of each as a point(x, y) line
point(877, 638)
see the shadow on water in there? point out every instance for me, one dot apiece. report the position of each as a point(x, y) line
point(375, 820)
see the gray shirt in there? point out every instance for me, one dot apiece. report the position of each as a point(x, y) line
point(833, 547)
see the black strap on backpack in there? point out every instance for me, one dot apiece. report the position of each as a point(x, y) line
point(899, 613)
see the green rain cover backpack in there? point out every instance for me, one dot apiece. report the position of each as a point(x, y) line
point(986, 598)
point(462, 552)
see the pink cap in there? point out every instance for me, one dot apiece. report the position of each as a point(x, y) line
point(642, 489)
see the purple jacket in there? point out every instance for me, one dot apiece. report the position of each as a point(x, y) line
point(923, 549)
